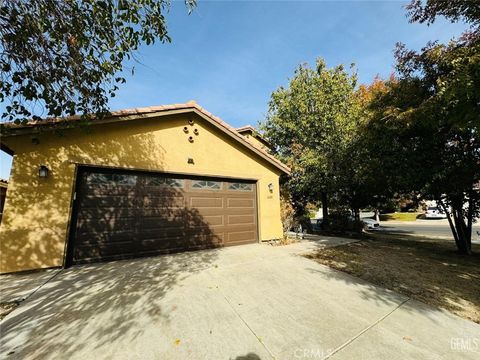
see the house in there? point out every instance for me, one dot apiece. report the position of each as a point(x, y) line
point(139, 182)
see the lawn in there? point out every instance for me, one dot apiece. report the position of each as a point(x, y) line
point(400, 216)
point(428, 270)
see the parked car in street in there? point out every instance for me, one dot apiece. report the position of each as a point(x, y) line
point(370, 224)
point(434, 212)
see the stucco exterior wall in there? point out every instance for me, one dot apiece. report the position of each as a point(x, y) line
point(34, 228)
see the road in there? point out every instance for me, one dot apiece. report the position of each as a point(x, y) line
point(437, 228)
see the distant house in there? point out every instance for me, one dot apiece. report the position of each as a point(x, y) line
point(141, 182)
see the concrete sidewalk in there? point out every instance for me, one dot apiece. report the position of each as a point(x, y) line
point(247, 302)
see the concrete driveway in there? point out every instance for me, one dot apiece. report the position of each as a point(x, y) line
point(247, 302)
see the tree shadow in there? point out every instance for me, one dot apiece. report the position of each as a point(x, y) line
point(428, 270)
point(89, 306)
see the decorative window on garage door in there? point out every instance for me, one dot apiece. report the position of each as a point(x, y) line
point(111, 179)
point(240, 187)
point(164, 181)
point(207, 185)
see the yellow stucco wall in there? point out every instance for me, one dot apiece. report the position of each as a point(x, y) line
point(34, 227)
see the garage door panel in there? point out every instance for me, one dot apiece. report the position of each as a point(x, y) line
point(106, 216)
point(105, 236)
point(165, 215)
point(104, 251)
point(214, 220)
point(206, 202)
point(201, 215)
point(240, 219)
point(205, 240)
point(159, 221)
point(89, 225)
point(108, 202)
point(151, 214)
point(239, 212)
point(240, 203)
point(160, 233)
point(161, 243)
point(241, 236)
point(149, 201)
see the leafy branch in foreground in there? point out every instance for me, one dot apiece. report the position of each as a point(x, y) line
point(61, 57)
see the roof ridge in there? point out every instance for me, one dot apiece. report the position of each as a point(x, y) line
point(160, 108)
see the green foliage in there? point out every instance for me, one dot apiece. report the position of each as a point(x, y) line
point(311, 122)
point(454, 10)
point(64, 57)
point(425, 128)
point(402, 216)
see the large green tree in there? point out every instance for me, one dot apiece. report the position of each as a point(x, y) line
point(426, 125)
point(65, 57)
point(359, 176)
point(311, 122)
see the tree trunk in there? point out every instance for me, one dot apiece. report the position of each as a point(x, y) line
point(464, 245)
point(356, 214)
point(325, 209)
point(470, 219)
point(461, 232)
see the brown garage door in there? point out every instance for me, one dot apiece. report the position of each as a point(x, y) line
point(127, 214)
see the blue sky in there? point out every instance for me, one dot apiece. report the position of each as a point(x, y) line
point(230, 55)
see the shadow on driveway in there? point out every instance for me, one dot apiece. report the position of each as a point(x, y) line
point(116, 297)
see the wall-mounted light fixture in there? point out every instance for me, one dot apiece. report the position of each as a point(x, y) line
point(195, 131)
point(185, 130)
point(270, 187)
point(43, 172)
point(190, 138)
point(191, 122)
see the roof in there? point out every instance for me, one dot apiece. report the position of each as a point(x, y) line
point(246, 128)
point(254, 131)
point(154, 111)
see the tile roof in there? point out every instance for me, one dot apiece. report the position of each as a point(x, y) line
point(246, 128)
point(189, 106)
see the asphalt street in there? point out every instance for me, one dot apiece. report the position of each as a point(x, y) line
point(437, 228)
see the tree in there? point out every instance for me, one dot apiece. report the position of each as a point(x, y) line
point(310, 122)
point(359, 176)
point(456, 10)
point(426, 130)
point(64, 57)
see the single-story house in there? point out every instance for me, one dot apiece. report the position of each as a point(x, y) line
point(139, 182)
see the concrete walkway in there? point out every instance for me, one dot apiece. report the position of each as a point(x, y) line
point(247, 302)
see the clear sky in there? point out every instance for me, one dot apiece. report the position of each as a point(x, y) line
point(230, 55)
